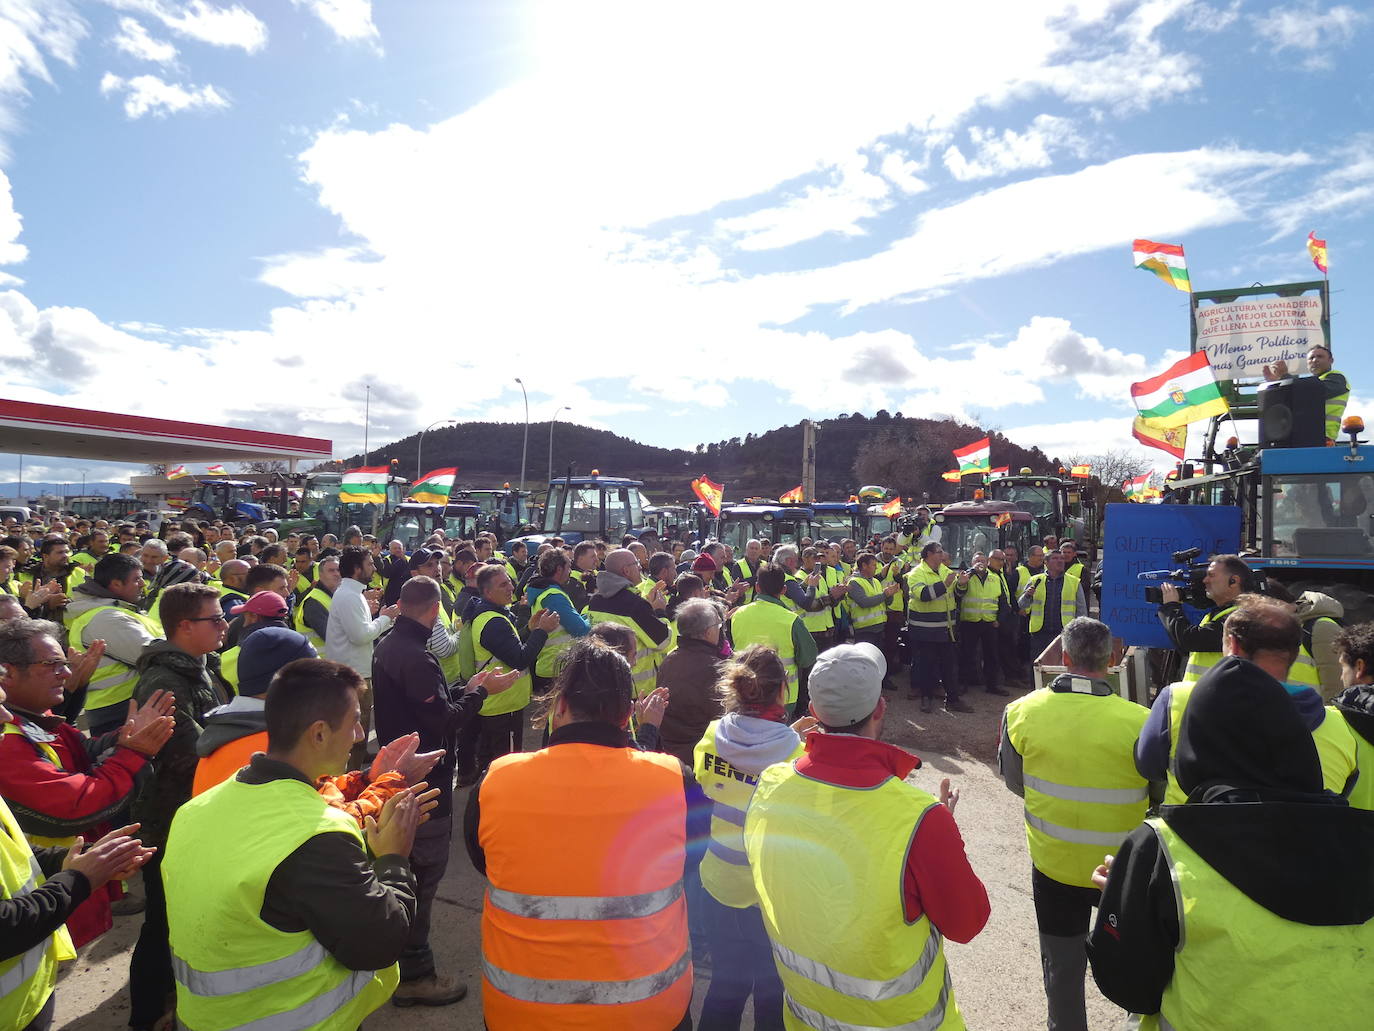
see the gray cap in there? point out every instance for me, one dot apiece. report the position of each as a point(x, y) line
point(846, 683)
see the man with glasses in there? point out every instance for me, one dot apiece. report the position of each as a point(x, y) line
point(185, 664)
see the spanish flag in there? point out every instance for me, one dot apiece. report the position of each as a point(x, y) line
point(792, 497)
point(893, 508)
point(709, 492)
point(1317, 248)
point(1173, 439)
point(1081, 472)
point(953, 476)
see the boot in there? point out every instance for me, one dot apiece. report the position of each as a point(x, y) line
point(429, 991)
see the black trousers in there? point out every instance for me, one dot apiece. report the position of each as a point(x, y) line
point(150, 966)
point(979, 640)
point(498, 736)
point(932, 668)
point(1063, 914)
point(428, 861)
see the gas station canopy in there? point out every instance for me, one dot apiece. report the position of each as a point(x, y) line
point(40, 429)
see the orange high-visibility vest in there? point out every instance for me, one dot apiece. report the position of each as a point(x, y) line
point(226, 760)
point(596, 938)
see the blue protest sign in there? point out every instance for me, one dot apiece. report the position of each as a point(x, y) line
point(1139, 538)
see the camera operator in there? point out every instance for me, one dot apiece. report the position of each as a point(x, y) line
point(915, 531)
point(1227, 578)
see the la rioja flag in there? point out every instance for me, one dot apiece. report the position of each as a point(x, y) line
point(975, 458)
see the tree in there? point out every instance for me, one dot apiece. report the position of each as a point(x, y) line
point(156, 468)
point(1109, 470)
point(275, 465)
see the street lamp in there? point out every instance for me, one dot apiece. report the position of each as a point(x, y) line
point(565, 408)
point(524, 451)
point(420, 448)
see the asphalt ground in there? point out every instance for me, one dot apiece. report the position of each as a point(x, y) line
point(996, 977)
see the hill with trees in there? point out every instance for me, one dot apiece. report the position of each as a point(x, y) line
point(906, 454)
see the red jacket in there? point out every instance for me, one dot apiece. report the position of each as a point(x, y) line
point(938, 880)
point(94, 781)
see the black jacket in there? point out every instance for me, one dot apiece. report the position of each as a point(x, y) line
point(409, 693)
point(1264, 822)
point(359, 908)
point(27, 920)
point(629, 605)
point(1186, 637)
point(499, 636)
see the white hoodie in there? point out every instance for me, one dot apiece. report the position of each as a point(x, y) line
point(352, 629)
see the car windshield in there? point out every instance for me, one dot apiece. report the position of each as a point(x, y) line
point(236, 495)
point(1320, 516)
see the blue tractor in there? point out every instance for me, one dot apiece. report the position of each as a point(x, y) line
point(229, 500)
point(781, 524)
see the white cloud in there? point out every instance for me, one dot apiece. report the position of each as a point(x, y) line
point(231, 26)
point(1205, 18)
point(11, 250)
point(901, 173)
point(349, 19)
point(1009, 151)
point(31, 33)
point(1306, 28)
point(133, 39)
point(147, 94)
point(852, 195)
point(1347, 187)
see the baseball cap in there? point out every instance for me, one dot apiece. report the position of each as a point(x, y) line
point(846, 683)
point(266, 651)
point(264, 603)
point(422, 556)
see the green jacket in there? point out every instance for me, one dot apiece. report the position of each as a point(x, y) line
point(198, 689)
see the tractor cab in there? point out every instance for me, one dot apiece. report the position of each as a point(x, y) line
point(781, 524)
point(669, 521)
point(229, 500)
point(836, 520)
point(505, 511)
point(415, 522)
point(1055, 504)
point(589, 508)
point(969, 527)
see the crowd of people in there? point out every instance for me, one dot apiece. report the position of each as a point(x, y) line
point(674, 766)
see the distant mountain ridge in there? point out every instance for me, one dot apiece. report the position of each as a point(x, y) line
point(908, 454)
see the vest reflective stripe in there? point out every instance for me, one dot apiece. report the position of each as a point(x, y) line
point(1104, 796)
point(1335, 407)
point(514, 698)
point(585, 907)
point(768, 623)
point(847, 957)
point(546, 665)
point(1075, 835)
point(1068, 601)
point(247, 979)
point(318, 594)
point(1200, 662)
point(1238, 965)
point(726, 854)
point(936, 615)
point(587, 993)
point(112, 682)
point(746, 571)
point(980, 601)
point(233, 970)
point(930, 1022)
point(862, 987)
point(648, 654)
point(26, 980)
point(896, 602)
point(1083, 793)
point(874, 616)
point(606, 925)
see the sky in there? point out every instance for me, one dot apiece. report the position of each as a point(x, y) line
point(683, 222)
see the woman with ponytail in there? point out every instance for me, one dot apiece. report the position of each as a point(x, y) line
point(751, 736)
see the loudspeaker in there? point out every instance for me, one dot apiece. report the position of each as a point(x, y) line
point(1292, 413)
